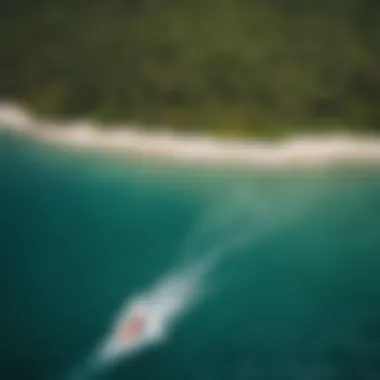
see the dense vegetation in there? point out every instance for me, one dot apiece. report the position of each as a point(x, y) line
point(234, 66)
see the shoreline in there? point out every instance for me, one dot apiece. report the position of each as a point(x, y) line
point(296, 151)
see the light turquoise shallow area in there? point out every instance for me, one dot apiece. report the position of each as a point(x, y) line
point(82, 231)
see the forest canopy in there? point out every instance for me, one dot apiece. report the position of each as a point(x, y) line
point(259, 67)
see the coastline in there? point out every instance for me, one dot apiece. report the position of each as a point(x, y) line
point(297, 151)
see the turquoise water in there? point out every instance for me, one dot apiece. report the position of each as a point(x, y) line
point(80, 232)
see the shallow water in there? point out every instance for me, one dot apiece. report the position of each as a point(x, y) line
point(82, 232)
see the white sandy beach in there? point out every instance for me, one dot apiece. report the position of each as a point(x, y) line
point(133, 140)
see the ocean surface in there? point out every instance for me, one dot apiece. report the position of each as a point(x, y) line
point(83, 231)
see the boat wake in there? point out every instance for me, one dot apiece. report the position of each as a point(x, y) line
point(142, 322)
point(148, 318)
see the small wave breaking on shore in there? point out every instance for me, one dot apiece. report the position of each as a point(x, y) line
point(135, 140)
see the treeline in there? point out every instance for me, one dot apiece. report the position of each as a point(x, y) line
point(233, 66)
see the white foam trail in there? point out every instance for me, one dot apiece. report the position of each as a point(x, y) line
point(301, 151)
point(163, 303)
point(220, 219)
point(246, 217)
point(167, 300)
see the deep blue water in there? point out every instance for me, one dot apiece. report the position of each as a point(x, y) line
point(80, 232)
